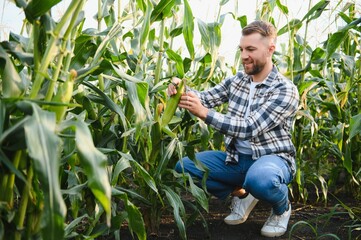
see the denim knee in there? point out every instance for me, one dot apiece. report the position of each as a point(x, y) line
point(178, 167)
point(185, 164)
point(261, 185)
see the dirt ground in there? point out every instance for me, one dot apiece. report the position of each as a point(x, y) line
point(327, 222)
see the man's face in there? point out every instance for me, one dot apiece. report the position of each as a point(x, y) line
point(256, 52)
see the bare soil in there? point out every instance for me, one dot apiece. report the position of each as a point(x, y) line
point(327, 221)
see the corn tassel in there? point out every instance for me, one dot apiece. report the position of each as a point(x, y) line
point(63, 95)
point(172, 105)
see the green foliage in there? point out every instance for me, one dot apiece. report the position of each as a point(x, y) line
point(84, 150)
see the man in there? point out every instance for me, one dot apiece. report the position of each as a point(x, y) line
point(260, 156)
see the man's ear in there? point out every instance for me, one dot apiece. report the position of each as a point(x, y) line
point(271, 49)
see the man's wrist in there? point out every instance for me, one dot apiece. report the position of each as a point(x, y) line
point(203, 114)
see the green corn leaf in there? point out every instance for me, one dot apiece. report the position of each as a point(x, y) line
point(120, 166)
point(146, 25)
point(211, 40)
point(108, 103)
point(141, 5)
point(188, 28)
point(199, 194)
point(178, 209)
point(335, 41)
point(242, 20)
point(166, 156)
point(135, 219)
point(347, 159)
point(294, 24)
point(355, 126)
point(352, 24)
point(9, 164)
point(37, 8)
point(178, 60)
point(135, 98)
point(145, 176)
point(118, 191)
point(203, 28)
point(94, 163)
point(223, 2)
point(162, 10)
point(283, 8)
point(316, 10)
point(44, 148)
point(71, 227)
point(12, 84)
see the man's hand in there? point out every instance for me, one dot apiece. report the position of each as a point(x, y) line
point(172, 87)
point(188, 100)
point(191, 102)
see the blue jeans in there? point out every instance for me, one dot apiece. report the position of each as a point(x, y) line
point(265, 178)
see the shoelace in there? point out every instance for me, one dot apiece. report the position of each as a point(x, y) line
point(234, 207)
point(274, 220)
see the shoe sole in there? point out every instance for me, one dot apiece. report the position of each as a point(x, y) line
point(242, 220)
point(272, 234)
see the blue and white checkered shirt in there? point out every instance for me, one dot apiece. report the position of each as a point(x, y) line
point(269, 123)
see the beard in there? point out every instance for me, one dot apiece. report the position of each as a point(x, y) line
point(254, 68)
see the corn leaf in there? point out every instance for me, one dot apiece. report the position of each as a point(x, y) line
point(43, 147)
point(335, 41)
point(178, 60)
point(71, 227)
point(145, 176)
point(144, 31)
point(108, 103)
point(121, 165)
point(136, 97)
point(316, 10)
point(188, 28)
point(283, 8)
point(199, 194)
point(141, 5)
point(37, 8)
point(94, 164)
point(162, 10)
point(12, 84)
point(178, 209)
point(135, 219)
point(355, 126)
point(169, 150)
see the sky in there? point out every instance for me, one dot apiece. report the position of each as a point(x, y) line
point(206, 10)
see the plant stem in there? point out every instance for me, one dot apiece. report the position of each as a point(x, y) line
point(24, 203)
point(63, 53)
point(158, 67)
point(119, 11)
point(10, 184)
point(99, 16)
point(51, 50)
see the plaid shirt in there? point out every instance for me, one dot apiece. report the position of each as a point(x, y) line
point(268, 125)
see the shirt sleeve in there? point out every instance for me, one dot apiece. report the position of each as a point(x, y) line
point(280, 105)
point(216, 95)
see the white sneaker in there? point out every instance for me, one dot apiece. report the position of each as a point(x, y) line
point(240, 209)
point(276, 225)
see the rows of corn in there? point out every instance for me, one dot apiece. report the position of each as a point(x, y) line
point(89, 137)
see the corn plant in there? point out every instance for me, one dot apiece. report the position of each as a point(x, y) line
point(89, 137)
point(103, 91)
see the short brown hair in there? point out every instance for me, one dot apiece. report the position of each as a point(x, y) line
point(266, 29)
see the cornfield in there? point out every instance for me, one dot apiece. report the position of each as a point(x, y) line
point(83, 150)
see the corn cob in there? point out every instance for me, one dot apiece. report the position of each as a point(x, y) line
point(172, 105)
point(63, 95)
